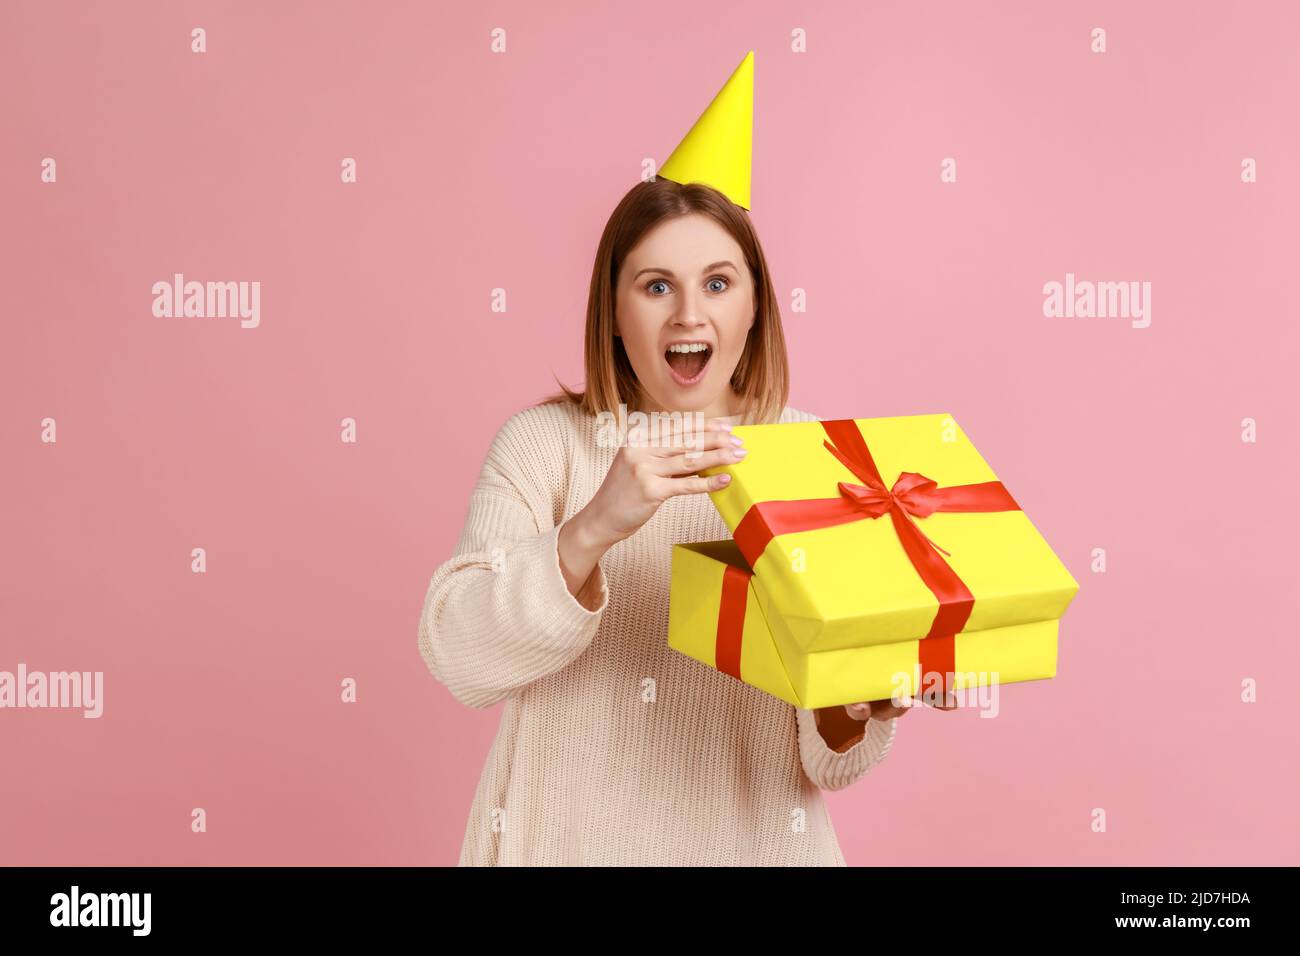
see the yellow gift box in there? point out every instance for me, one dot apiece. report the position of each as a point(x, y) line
point(716, 617)
point(877, 546)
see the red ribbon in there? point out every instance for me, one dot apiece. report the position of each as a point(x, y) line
point(731, 620)
point(912, 496)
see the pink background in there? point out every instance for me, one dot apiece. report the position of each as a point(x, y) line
point(479, 171)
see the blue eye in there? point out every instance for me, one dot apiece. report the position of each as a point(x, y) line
point(726, 284)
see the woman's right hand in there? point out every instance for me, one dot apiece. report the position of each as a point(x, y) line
point(643, 476)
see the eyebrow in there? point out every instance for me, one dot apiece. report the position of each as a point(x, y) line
point(709, 268)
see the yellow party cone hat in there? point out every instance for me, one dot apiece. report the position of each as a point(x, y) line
point(718, 149)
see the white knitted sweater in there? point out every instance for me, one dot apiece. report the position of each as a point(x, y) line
point(613, 748)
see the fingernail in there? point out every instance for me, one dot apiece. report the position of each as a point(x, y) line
point(737, 440)
point(725, 479)
point(725, 426)
point(739, 452)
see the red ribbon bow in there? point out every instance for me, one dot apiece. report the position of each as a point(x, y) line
point(912, 496)
point(876, 501)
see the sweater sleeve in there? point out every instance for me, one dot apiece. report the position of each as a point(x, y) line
point(498, 615)
point(835, 771)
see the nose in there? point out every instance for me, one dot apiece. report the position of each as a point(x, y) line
point(689, 313)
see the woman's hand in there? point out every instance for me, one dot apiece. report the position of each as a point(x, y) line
point(878, 709)
point(643, 476)
point(884, 709)
point(842, 727)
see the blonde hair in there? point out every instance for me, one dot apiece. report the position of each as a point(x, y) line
point(762, 376)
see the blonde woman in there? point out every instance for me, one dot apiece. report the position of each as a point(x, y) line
point(613, 748)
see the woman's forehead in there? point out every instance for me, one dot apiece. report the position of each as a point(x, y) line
point(688, 243)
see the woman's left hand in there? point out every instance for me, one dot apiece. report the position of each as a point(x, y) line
point(879, 709)
point(884, 709)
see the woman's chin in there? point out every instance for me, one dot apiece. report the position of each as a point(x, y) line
point(692, 401)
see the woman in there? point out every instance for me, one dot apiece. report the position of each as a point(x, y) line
point(614, 748)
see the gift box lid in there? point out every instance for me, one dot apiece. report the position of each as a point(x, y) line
point(878, 530)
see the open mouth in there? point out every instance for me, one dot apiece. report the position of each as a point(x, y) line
point(688, 367)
